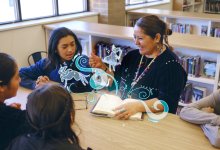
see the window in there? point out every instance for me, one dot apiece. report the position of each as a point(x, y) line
point(71, 6)
point(20, 10)
point(36, 8)
point(7, 7)
point(132, 2)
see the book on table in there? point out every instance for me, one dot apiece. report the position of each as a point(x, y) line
point(106, 103)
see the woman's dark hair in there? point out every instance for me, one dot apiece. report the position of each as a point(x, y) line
point(55, 36)
point(8, 66)
point(151, 25)
point(50, 111)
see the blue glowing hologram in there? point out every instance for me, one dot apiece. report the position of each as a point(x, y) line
point(69, 74)
point(99, 79)
point(113, 58)
point(156, 117)
point(144, 94)
point(91, 98)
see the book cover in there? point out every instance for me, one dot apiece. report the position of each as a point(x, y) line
point(209, 68)
point(198, 93)
point(204, 30)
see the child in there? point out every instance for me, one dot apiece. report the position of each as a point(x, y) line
point(50, 112)
point(12, 119)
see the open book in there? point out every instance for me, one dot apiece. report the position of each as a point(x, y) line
point(106, 104)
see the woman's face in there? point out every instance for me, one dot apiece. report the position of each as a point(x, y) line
point(146, 44)
point(66, 48)
point(12, 88)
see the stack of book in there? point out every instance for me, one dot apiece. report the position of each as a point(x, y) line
point(212, 6)
point(181, 28)
point(191, 94)
point(191, 64)
point(215, 32)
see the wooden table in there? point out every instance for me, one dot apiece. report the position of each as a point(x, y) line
point(100, 133)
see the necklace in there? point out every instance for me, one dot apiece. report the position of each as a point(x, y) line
point(136, 79)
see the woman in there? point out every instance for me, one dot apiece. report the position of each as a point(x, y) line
point(205, 112)
point(50, 112)
point(60, 66)
point(12, 119)
point(150, 74)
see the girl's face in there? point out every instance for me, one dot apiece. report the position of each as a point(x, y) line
point(11, 89)
point(66, 48)
point(146, 44)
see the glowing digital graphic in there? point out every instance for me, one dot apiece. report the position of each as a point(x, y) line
point(113, 58)
point(69, 74)
point(156, 117)
point(101, 79)
point(145, 92)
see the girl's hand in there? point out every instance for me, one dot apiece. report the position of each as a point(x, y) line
point(41, 80)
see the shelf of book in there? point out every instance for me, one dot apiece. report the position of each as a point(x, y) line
point(202, 80)
point(193, 22)
point(212, 6)
point(181, 5)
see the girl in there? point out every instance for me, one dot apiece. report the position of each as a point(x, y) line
point(60, 66)
point(12, 119)
point(50, 112)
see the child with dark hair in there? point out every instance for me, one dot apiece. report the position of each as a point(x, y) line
point(60, 66)
point(12, 119)
point(50, 112)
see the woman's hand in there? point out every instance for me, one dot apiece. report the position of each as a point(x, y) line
point(126, 110)
point(15, 105)
point(96, 62)
point(41, 80)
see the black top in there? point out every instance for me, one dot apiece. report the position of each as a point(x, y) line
point(31, 142)
point(165, 78)
point(12, 124)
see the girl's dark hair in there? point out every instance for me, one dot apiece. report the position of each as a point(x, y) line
point(151, 25)
point(55, 36)
point(8, 66)
point(50, 111)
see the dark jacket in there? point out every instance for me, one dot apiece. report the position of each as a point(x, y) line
point(12, 124)
point(76, 78)
point(31, 142)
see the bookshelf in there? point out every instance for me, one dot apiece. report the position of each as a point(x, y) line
point(182, 43)
point(198, 21)
point(212, 6)
point(188, 5)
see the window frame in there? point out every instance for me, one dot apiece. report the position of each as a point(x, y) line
point(127, 2)
point(18, 15)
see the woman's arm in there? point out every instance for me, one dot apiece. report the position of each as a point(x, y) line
point(193, 113)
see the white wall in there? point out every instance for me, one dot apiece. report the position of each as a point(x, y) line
point(21, 42)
